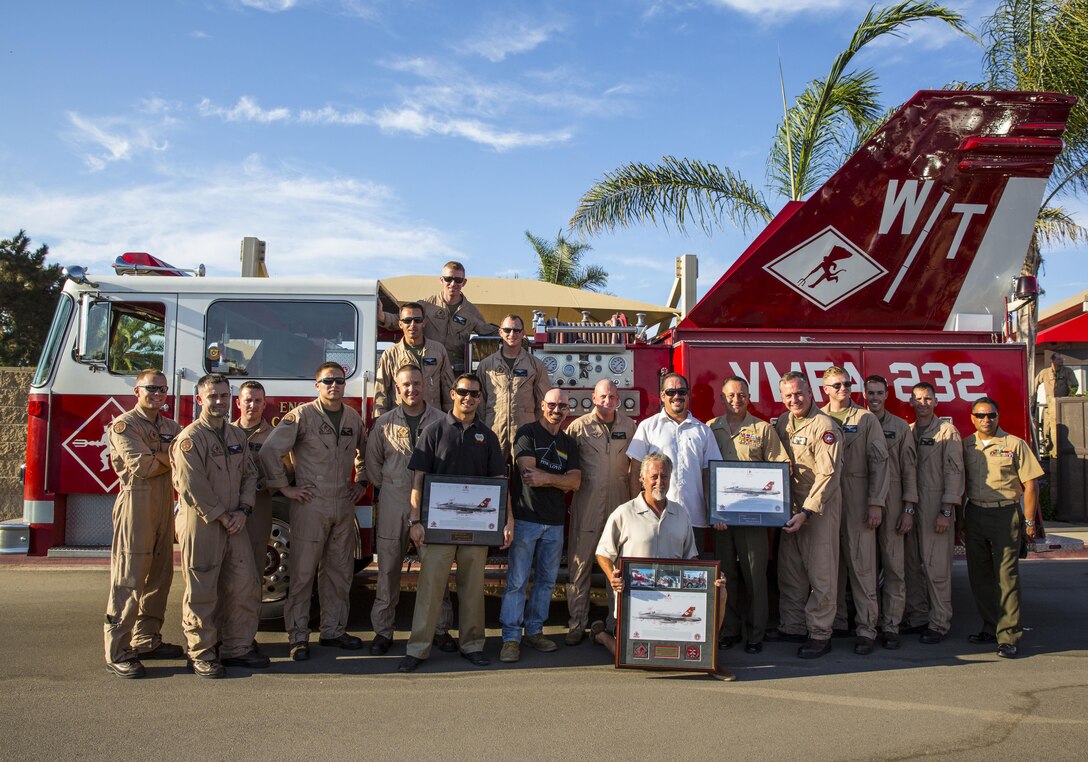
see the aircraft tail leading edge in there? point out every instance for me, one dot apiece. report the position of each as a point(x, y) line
point(929, 220)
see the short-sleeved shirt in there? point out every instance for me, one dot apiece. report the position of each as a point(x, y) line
point(634, 531)
point(690, 446)
point(449, 447)
point(997, 471)
point(555, 453)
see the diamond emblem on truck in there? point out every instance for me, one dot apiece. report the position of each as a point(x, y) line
point(826, 268)
point(89, 444)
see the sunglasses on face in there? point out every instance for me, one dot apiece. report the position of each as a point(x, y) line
point(556, 405)
point(504, 329)
point(985, 416)
point(461, 392)
point(670, 393)
point(840, 384)
point(410, 320)
point(453, 279)
point(153, 388)
point(331, 381)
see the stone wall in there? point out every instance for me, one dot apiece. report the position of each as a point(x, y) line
point(14, 388)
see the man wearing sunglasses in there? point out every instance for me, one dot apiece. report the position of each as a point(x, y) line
point(327, 440)
point(414, 349)
point(514, 384)
point(546, 467)
point(1001, 470)
point(142, 551)
point(932, 540)
point(688, 442)
point(864, 498)
point(808, 560)
point(459, 444)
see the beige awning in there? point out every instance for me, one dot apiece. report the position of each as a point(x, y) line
point(500, 296)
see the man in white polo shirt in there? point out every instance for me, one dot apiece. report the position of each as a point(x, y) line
point(688, 442)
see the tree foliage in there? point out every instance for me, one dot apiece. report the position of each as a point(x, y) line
point(561, 262)
point(28, 296)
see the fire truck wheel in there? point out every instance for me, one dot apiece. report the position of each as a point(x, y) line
point(277, 567)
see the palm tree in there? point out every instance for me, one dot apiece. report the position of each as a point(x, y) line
point(817, 133)
point(560, 262)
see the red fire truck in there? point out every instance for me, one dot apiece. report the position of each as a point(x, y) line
point(903, 264)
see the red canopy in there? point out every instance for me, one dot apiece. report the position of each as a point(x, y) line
point(1070, 332)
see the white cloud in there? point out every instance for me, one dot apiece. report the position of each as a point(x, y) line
point(315, 224)
point(270, 6)
point(508, 38)
point(245, 110)
point(418, 123)
point(199, 35)
point(111, 139)
point(765, 8)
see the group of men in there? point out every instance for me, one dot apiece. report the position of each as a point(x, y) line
point(869, 492)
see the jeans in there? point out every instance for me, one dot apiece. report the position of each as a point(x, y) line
point(545, 542)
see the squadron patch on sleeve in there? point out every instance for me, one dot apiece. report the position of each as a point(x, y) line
point(829, 437)
point(119, 427)
point(186, 445)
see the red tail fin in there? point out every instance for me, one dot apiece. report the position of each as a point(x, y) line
point(768, 487)
point(923, 228)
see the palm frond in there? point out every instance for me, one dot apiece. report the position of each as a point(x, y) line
point(677, 190)
point(1055, 225)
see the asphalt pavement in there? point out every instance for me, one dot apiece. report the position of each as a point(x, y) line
point(953, 700)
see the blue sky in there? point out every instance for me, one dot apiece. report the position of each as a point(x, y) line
point(376, 138)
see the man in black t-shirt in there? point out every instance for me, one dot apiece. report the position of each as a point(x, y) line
point(546, 467)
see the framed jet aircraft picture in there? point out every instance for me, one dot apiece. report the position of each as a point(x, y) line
point(746, 493)
point(667, 615)
point(463, 510)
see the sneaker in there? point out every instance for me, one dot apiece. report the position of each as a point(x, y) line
point(575, 636)
point(540, 643)
point(300, 651)
point(511, 651)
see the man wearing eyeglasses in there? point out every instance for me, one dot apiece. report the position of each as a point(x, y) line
point(459, 444)
point(931, 542)
point(744, 551)
point(414, 349)
point(546, 468)
point(216, 482)
point(688, 442)
point(388, 449)
point(514, 384)
point(898, 519)
point(142, 551)
point(864, 498)
point(1000, 470)
point(808, 560)
point(602, 436)
point(327, 440)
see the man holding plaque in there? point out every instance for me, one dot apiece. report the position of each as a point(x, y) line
point(743, 551)
point(458, 444)
point(547, 467)
point(808, 560)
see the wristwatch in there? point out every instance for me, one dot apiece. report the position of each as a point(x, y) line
point(946, 513)
point(1029, 523)
point(246, 509)
point(909, 510)
point(808, 513)
point(413, 522)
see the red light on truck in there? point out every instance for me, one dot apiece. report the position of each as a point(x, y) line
point(37, 408)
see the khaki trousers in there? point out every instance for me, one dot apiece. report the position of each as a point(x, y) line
point(857, 559)
point(436, 561)
point(383, 613)
point(892, 560)
point(141, 570)
point(222, 597)
point(993, 566)
point(742, 553)
point(581, 558)
point(808, 573)
point(259, 530)
point(929, 568)
point(323, 546)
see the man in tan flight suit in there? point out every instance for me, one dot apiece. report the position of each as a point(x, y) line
point(602, 436)
point(514, 384)
point(327, 440)
point(451, 317)
point(744, 551)
point(413, 349)
point(931, 543)
point(388, 449)
point(251, 404)
point(216, 482)
point(864, 499)
point(1057, 381)
point(142, 552)
point(898, 517)
point(808, 561)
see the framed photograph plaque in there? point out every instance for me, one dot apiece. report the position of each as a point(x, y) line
point(746, 493)
point(667, 615)
point(463, 510)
